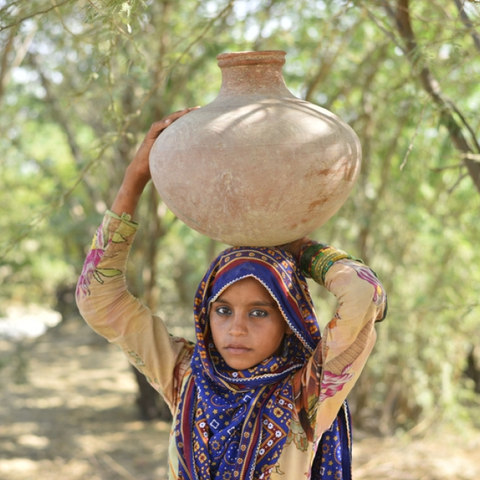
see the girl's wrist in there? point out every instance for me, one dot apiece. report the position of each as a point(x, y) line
point(136, 178)
point(317, 258)
point(128, 195)
point(305, 256)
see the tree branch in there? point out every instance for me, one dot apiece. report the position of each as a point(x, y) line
point(185, 51)
point(40, 12)
point(62, 121)
point(3, 63)
point(49, 209)
point(328, 60)
point(22, 50)
point(468, 24)
point(471, 156)
point(432, 87)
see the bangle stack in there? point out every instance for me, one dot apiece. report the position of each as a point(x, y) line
point(317, 258)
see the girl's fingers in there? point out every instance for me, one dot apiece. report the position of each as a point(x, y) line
point(161, 125)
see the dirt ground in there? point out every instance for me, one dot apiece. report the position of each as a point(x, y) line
point(75, 418)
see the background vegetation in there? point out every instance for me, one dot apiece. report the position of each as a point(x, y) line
point(81, 81)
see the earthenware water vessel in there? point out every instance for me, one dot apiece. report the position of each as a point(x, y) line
point(257, 166)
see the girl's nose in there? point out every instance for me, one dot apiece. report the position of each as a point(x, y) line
point(237, 325)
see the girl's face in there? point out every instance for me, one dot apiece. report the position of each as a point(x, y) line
point(246, 323)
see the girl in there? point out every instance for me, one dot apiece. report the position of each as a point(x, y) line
point(260, 395)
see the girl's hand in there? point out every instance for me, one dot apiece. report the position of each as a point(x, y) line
point(138, 174)
point(139, 169)
point(295, 247)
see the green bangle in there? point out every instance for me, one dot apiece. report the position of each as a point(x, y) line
point(308, 251)
point(322, 262)
point(317, 258)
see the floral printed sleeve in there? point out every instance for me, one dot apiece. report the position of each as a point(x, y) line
point(108, 307)
point(347, 341)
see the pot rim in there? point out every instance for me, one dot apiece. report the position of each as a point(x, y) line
point(236, 59)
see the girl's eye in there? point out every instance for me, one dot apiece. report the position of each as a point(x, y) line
point(259, 313)
point(222, 310)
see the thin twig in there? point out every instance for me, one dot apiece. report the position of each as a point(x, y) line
point(409, 149)
point(457, 183)
point(328, 60)
point(19, 56)
point(115, 24)
point(12, 3)
point(47, 212)
point(185, 51)
point(4, 61)
point(18, 22)
point(467, 22)
point(448, 167)
point(387, 32)
point(464, 121)
point(57, 11)
point(432, 86)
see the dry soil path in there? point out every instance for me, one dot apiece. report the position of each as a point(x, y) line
point(75, 418)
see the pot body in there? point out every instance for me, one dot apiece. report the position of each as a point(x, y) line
point(257, 166)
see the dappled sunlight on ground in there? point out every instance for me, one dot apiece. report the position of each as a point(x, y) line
point(433, 458)
point(76, 418)
point(27, 321)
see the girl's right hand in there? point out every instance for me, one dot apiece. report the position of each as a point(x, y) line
point(140, 167)
point(296, 247)
point(138, 173)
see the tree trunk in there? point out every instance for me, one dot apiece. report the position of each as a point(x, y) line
point(473, 366)
point(150, 403)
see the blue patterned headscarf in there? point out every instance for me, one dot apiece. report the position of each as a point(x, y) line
point(234, 424)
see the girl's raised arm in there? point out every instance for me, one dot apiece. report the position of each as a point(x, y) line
point(348, 337)
point(102, 294)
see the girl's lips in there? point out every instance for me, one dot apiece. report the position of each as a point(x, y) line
point(236, 349)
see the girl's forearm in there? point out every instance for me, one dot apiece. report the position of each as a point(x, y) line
point(129, 194)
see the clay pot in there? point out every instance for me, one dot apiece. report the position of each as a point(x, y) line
point(257, 166)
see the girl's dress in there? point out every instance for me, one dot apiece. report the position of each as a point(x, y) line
point(285, 418)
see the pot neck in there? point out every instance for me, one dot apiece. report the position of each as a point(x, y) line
point(253, 73)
